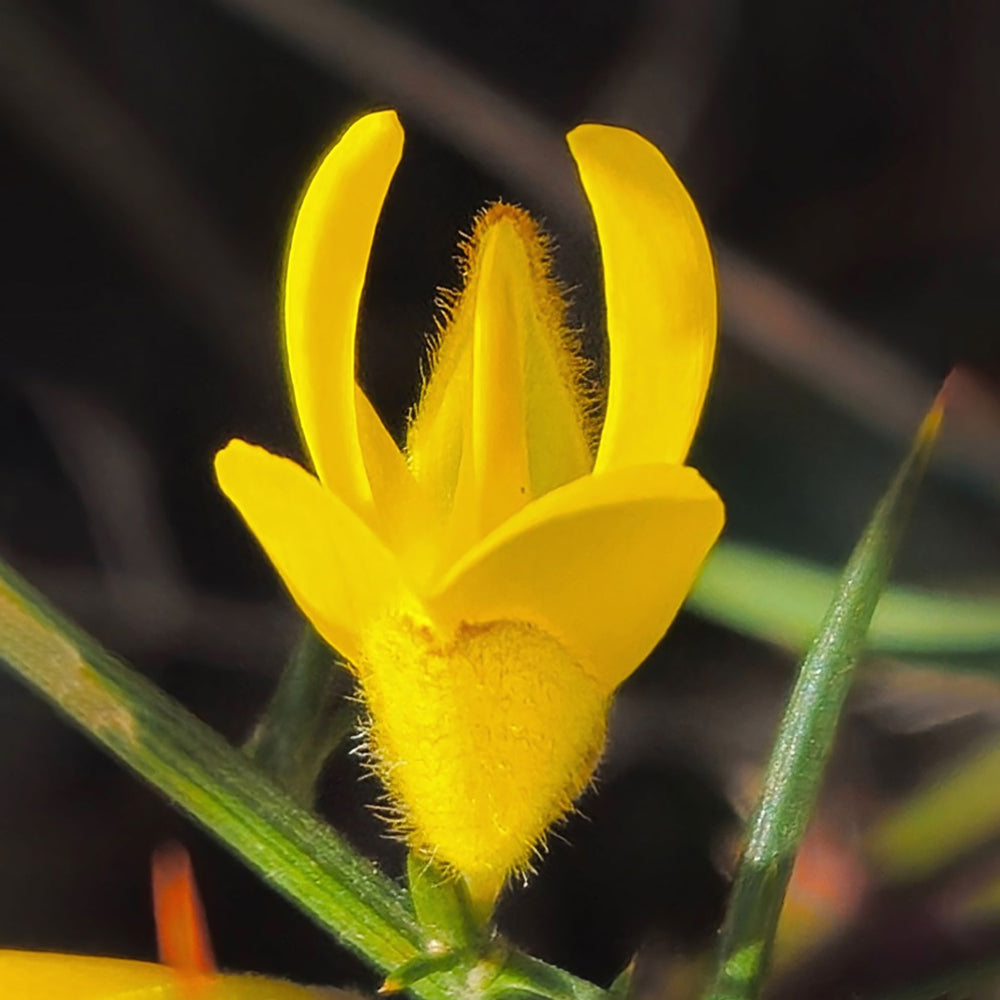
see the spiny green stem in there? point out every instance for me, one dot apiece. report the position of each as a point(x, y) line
point(220, 787)
point(207, 778)
point(805, 737)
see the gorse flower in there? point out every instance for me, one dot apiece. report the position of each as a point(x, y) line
point(495, 581)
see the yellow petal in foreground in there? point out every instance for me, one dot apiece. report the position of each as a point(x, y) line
point(601, 563)
point(37, 975)
point(493, 585)
point(188, 970)
point(334, 565)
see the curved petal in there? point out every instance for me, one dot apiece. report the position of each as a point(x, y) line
point(324, 276)
point(659, 286)
point(604, 563)
point(337, 570)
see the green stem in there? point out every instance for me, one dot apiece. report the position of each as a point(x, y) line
point(442, 906)
point(309, 716)
point(221, 788)
point(805, 737)
point(208, 779)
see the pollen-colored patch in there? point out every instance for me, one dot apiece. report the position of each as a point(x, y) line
point(483, 740)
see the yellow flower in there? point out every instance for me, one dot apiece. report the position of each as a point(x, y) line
point(494, 582)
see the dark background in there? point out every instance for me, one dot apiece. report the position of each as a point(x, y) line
point(845, 156)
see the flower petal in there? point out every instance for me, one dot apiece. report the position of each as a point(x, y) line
point(502, 418)
point(659, 286)
point(325, 273)
point(494, 479)
point(406, 518)
point(34, 975)
point(604, 563)
point(335, 567)
point(40, 975)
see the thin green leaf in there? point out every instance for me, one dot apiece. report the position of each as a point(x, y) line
point(207, 778)
point(309, 716)
point(417, 969)
point(781, 599)
point(805, 737)
point(621, 987)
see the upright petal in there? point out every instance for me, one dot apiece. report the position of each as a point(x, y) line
point(494, 479)
point(603, 563)
point(325, 273)
point(335, 567)
point(659, 286)
point(502, 417)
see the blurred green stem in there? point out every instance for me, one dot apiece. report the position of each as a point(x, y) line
point(782, 599)
point(805, 737)
point(309, 716)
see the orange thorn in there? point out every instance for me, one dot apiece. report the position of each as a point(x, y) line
point(931, 424)
point(181, 930)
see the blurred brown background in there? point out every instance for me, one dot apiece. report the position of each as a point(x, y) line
point(845, 156)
